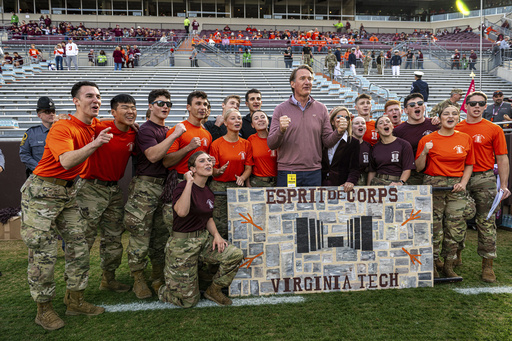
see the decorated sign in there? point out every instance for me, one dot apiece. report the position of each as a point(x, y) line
point(321, 239)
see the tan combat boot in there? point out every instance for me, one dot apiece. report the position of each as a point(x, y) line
point(47, 317)
point(78, 306)
point(157, 276)
point(109, 282)
point(439, 264)
point(448, 268)
point(458, 261)
point(140, 288)
point(213, 293)
point(487, 271)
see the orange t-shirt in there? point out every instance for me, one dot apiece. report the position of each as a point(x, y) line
point(371, 136)
point(64, 136)
point(239, 155)
point(183, 141)
point(265, 160)
point(108, 162)
point(488, 141)
point(33, 52)
point(449, 154)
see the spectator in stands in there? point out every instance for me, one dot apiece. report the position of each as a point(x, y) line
point(288, 57)
point(420, 86)
point(447, 158)
point(343, 40)
point(137, 55)
point(186, 24)
point(307, 54)
point(396, 61)
point(71, 54)
point(455, 96)
point(102, 58)
point(340, 163)
point(419, 60)
point(17, 60)
point(130, 57)
point(195, 27)
point(35, 54)
point(456, 59)
point(117, 56)
point(91, 57)
point(409, 56)
point(59, 53)
point(302, 124)
point(193, 58)
point(472, 60)
point(227, 29)
point(118, 33)
point(352, 61)
point(391, 159)
point(34, 139)
point(499, 111)
point(7, 59)
point(14, 19)
point(381, 63)
point(246, 58)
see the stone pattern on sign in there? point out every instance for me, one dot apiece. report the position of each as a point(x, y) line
point(371, 256)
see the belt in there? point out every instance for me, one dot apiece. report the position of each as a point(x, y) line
point(266, 178)
point(183, 235)
point(487, 172)
point(388, 177)
point(159, 181)
point(60, 182)
point(102, 183)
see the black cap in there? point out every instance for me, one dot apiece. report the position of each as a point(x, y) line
point(45, 103)
point(498, 93)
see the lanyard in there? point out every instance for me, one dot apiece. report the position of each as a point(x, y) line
point(495, 112)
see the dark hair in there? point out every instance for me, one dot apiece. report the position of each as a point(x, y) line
point(193, 157)
point(252, 91)
point(196, 94)
point(476, 93)
point(362, 96)
point(121, 98)
point(157, 93)
point(411, 96)
point(258, 111)
point(76, 88)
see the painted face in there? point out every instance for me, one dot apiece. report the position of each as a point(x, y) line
point(358, 127)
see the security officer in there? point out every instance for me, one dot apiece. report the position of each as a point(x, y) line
point(330, 63)
point(419, 85)
point(34, 140)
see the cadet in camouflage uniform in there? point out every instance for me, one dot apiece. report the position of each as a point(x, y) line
point(330, 63)
point(49, 209)
point(489, 142)
point(367, 60)
point(143, 210)
point(455, 96)
point(99, 196)
point(447, 156)
point(195, 238)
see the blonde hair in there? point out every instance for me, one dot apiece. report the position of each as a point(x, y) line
point(228, 112)
point(333, 114)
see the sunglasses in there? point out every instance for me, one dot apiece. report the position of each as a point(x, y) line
point(480, 103)
point(162, 103)
point(413, 104)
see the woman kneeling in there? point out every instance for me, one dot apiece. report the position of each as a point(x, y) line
point(195, 238)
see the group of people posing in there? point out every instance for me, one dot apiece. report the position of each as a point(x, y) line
point(174, 219)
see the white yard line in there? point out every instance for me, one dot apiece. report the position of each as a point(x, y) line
point(202, 304)
point(490, 290)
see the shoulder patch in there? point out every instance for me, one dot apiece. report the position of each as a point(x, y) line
point(25, 136)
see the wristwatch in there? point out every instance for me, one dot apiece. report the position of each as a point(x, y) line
point(403, 182)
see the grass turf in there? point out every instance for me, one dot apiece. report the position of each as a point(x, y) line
point(437, 313)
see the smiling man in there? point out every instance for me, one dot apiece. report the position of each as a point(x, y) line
point(49, 209)
point(100, 198)
point(490, 145)
point(499, 111)
point(416, 126)
point(299, 130)
point(253, 102)
point(143, 216)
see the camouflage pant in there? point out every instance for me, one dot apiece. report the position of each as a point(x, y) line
point(220, 211)
point(381, 182)
point(49, 210)
point(365, 66)
point(363, 179)
point(307, 59)
point(257, 181)
point(102, 207)
point(379, 69)
point(168, 213)
point(143, 219)
point(181, 261)
point(330, 68)
point(415, 179)
point(448, 216)
point(482, 188)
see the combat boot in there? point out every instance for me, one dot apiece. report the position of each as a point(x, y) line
point(214, 293)
point(157, 276)
point(78, 306)
point(47, 317)
point(448, 268)
point(458, 261)
point(140, 288)
point(439, 264)
point(487, 271)
point(109, 282)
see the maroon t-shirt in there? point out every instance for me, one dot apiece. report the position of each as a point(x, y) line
point(364, 156)
point(150, 134)
point(413, 133)
point(201, 208)
point(392, 158)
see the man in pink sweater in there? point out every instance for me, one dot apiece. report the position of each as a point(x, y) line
point(300, 128)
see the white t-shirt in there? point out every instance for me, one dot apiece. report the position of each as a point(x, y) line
point(71, 49)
